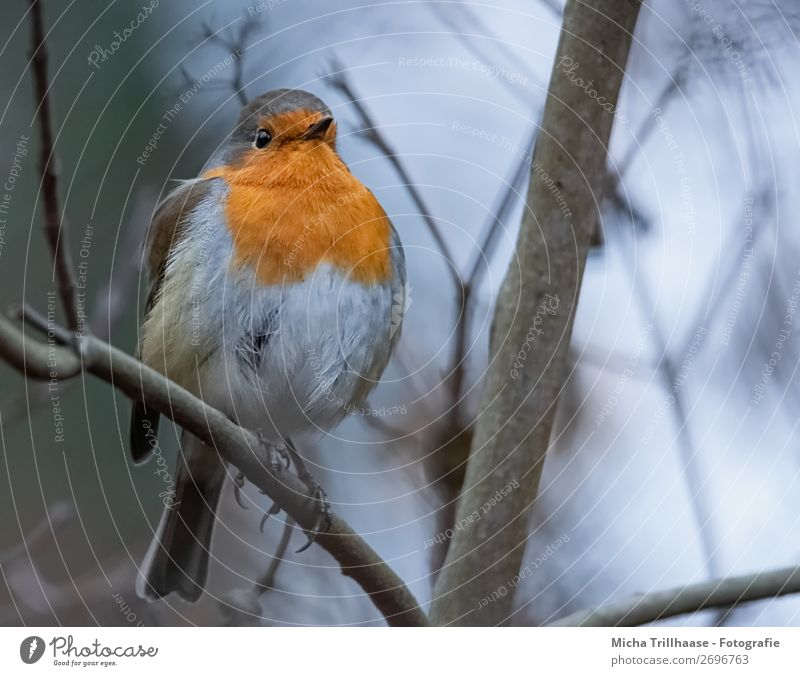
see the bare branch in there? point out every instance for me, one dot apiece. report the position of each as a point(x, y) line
point(692, 598)
point(29, 357)
point(453, 382)
point(512, 432)
point(55, 227)
point(239, 446)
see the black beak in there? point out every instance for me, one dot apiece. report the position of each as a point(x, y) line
point(319, 128)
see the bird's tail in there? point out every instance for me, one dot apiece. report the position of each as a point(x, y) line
point(177, 560)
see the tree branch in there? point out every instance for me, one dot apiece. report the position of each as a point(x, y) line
point(532, 325)
point(239, 446)
point(691, 598)
point(55, 227)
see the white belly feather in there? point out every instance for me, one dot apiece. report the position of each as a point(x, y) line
point(281, 360)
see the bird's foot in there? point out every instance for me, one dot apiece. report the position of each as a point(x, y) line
point(322, 508)
point(279, 458)
point(322, 511)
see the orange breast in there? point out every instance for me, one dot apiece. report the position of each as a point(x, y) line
point(291, 210)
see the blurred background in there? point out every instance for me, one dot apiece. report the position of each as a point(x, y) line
point(675, 457)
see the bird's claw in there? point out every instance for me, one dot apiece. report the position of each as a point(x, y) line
point(280, 459)
point(322, 508)
point(238, 484)
point(271, 511)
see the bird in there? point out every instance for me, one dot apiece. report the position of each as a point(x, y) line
point(277, 291)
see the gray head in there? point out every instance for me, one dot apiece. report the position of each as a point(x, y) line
point(277, 118)
point(280, 101)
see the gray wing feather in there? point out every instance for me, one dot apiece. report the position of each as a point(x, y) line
point(169, 225)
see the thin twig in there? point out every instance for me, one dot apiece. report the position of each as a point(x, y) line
point(26, 313)
point(55, 227)
point(720, 593)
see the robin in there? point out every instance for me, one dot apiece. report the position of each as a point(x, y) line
point(276, 278)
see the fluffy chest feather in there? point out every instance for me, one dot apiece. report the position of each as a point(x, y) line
point(287, 220)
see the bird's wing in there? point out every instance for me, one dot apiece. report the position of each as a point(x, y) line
point(169, 225)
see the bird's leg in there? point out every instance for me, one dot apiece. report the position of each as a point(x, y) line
point(279, 460)
point(321, 507)
point(267, 581)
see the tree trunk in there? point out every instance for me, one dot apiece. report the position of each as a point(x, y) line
point(532, 324)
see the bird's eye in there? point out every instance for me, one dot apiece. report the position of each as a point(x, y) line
point(263, 137)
